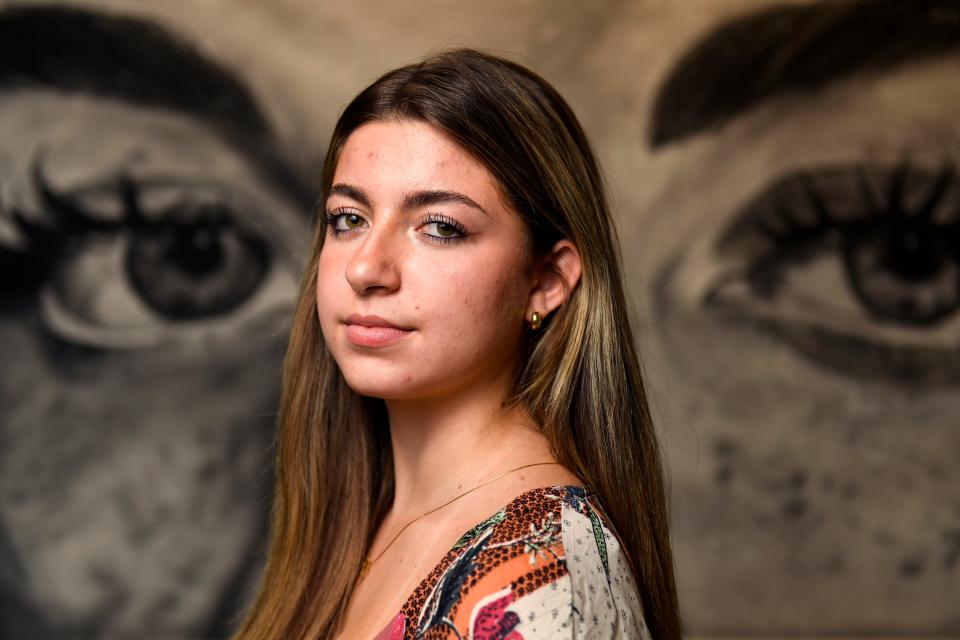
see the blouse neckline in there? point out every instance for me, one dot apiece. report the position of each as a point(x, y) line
point(458, 548)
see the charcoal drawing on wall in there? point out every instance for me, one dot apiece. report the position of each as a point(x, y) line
point(786, 189)
point(150, 247)
point(811, 321)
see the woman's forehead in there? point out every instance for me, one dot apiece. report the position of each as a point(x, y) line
point(396, 157)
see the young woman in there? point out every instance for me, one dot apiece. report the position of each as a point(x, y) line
point(464, 447)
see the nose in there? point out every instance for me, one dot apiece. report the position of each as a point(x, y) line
point(374, 268)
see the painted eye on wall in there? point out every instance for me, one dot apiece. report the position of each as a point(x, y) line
point(170, 261)
point(862, 279)
point(195, 262)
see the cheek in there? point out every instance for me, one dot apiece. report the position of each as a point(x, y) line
point(477, 305)
point(327, 284)
point(324, 270)
point(498, 298)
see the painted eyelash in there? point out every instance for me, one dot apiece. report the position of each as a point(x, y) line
point(784, 228)
point(64, 216)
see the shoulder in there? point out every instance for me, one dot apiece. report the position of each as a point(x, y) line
point(604, 599)
point(547, 565)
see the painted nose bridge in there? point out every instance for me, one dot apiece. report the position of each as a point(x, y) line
point(375, 265)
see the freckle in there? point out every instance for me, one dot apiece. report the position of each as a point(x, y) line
point(794, 508)
point(884, 538)
point(911, 567)
point(724, 447)
point(796, 481)
point(417, 307)
point(723, 474)
point(835, 564)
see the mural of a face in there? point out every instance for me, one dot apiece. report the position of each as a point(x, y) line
point(788, 212)
point(803, 254)
point(151, 242)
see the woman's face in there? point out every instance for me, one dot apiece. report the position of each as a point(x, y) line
point(418, 236)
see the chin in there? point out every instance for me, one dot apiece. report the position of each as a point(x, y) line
point(383, 392)
point(380, 381)
point(398, 383)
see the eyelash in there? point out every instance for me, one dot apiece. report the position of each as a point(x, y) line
point(450, 222)
point(331, 218)
point(785, 230)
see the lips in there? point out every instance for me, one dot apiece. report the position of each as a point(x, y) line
point(373, 331)
point(372, 321)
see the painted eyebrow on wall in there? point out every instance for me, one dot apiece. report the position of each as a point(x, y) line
point(139, 62)
point(755, 57)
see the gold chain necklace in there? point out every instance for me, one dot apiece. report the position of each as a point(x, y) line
point(367, 562)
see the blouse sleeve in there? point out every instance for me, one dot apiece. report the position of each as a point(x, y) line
point(585, 592)
point(604, 600)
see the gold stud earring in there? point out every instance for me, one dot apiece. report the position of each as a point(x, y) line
point(535, 320)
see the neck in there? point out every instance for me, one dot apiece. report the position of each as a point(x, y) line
point(443, 447)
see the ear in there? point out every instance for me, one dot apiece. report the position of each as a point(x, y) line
point(556, 276)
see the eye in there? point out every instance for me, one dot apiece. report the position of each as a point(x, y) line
point(189, 269)
point(350, 220)
point(442, 229)
point(195, 262)
point(861, 279)
point(340, 221)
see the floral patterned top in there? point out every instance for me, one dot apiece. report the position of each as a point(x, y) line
point(547, 565)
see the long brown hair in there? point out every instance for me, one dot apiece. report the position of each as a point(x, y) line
point(579, 377)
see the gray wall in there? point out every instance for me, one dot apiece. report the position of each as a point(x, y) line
point(789, 223)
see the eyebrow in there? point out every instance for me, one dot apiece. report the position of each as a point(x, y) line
point(123, 57)
point(412, 200)
point(794, 49)
point(137, 61)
